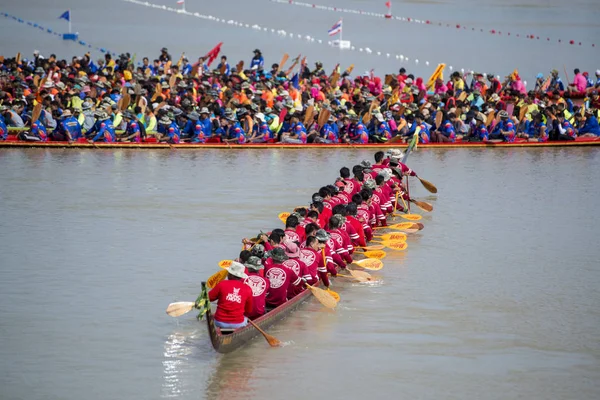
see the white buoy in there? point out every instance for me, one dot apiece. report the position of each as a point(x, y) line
point(272, 30)
point(387, 55)
point(525, 83)
point(417, 61)
point(462, 70)
point(397, 57)
point(320, 41)
point(360, 49)
point(451, 68)
point(426, 62)
point(353, 48)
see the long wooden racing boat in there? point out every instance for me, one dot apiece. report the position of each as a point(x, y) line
point(153, 145)
point(228, 340)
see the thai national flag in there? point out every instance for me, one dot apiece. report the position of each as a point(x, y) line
point(337, 28)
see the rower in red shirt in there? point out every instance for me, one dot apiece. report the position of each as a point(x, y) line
point(234, 298)
point(331, 256)
point(349, 186)
point(347, 227)
point(291, 230)
point(280, 277)
point(324, 213)
point(378, 166)
point(271, 242)
point(363, 214)
point(312, 257)
point(340, 238)
point(259, 285)
point(292, 250)
point(352, 218)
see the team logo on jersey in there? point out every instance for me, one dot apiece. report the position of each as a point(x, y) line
point(349, 188)
point(293, 265)
point(338, 238)
point(257, 284)
point(277, 277)
point(235, 296)
point(292, 236)
point(307, 256)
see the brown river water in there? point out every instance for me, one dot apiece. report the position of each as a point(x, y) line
point(497, 298)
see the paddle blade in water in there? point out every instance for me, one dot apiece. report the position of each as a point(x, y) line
point(378, 254)
point(323, 296)
point(272, 340)
point(283, 216)
point(393, 236)
point(373, 264)
point(180, 308)
point(225, 263)
point(411, 217)
point(397, 245)
point(362, 276)
point(371, 247)
point(335, 295)
point(216, 278)
point(428, 185)
point(402, 225)
point(423, 205)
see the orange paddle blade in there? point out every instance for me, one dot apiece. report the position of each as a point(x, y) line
point(225, 263)
point(369, 263)
point(216, 278)
point(378, 254)
point(283, 216)
point(393, 236)
point(371, 247)
point(335, 295)
point(397, 245)
point(410, 217)
point(402, 225)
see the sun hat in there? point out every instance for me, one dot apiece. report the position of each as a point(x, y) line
point(237, 269)
point(291, 249)
point(254, 263)
point(261, 117)
point(278, 255)
point(194, 116)
point(165, 120)
point(322, 235)
point(370, 184)
point(204, 110)
point(66, 113)
point(258, 250)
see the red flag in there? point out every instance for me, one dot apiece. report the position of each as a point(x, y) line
point(388, 4)
point(213, 54)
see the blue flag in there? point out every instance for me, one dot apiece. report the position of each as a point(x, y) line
point(295, 81)
point(66, 15)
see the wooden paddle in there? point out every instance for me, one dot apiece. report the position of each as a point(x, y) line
point(18, 58)
point(428, 185)
point(358, 278)
point(374, 264)
point(422, 205)
point(490, 119)
point(167, 66)
point(37, 111)
point(349, 69)
point(323, 117)
point(335, 295)
point(290, 69)
point(308, 116)
point(282, 62)
point(391, 236)
point(523, 112)
point(239, 66)
point(462, 96)
point(378, 254)
point(360, 275)
point(439, 116)
point(323, 296)
point(272, 340)
point(172, 81)
point(179, 308)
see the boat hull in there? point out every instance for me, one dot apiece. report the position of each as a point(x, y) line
point(205, 146)
point(226, 343)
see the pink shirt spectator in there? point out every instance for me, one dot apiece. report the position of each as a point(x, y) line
point(580, 82)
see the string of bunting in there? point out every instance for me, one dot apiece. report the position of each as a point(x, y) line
point(427, 22)
point(54, 32)
point(283, 33)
